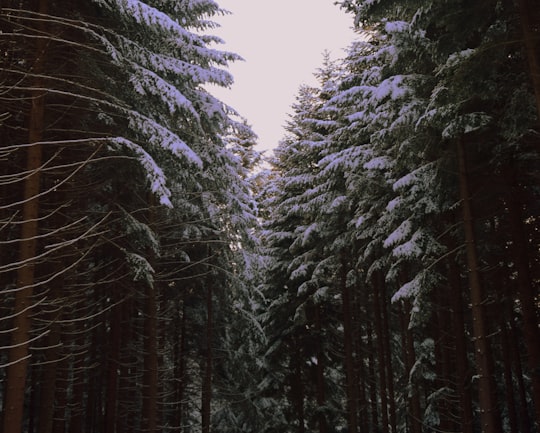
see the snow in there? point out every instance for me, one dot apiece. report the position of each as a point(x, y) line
point(396, 26)
point(398, 234)
point(377, 163)
point(154, 173)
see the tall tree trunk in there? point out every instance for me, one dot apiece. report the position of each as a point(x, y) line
point(529, 11)
point(414, 413)
point(489, 412)
point(321, 395)
point(350, 376)
point(18, 356)
point(113, 365)
point(525, 421)
point(377, 283)
point(180, 367)
point(508, 381)
point(297, 385)
point(150, 394)
point(373, 379)
point(207, 379)
point(52, 354)
point(526, 292)
point(463, 377)
point(388, 359)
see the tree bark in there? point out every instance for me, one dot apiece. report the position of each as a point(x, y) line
point(207, 379)
point(414, 413)
point(373, 381)
point(463, 376)
point(388, 359)
point(530, 24)
point(489, 412)
point(380, 351)
point(320, 393)
point(526, 292)
point(113, 366)
point(150, 390)
point(350, 376)
point(18, 356)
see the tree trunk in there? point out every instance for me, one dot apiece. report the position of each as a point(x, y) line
point(350, 376)
point(526, 292)
point(180, 367)
point(414, 413)
point(380, 351)
point(149, 409)
point(18, 356)
point(463, 376)
point(388, 359)
point(508, 381)
point(321, 395)
point(207, 379)
point(373, 380)
point(113, 365)
point(489, 412)
point(530, 23)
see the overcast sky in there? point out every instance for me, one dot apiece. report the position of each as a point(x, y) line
point(282, 42)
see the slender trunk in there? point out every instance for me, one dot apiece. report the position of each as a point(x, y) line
point(18, 356)
point(388, 360)
point(362, 386)
point(373, 380)
point(525, 421)
point(508, 381)
point(207, 379)
point(113, 362)
point(526, 291)
point(180, 367)
point(414, 413)
point(442, 358)
point(377, 283)
point(149, 409)
point(297, 386)
point(128, 369)
point(463, 376)
point(530, 23)
point(350, 376)
point(321, 395)
point(489, 412)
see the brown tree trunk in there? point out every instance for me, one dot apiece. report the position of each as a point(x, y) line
point(18, 356)
point(180, 367)
point(489, 412)
point(320, 392)
point(150, 389)
point(508, 381)
point(463, 375)
point(414, 413)
point(377, 283)
point(47, 383)
point(207, 379)
point(526, 292)
point(525, 421)
point(530, 23)
point(388, 359)
point(297, 386)
point(350, 376)
point(373, 380)
point(443, 358)
point(113, 365)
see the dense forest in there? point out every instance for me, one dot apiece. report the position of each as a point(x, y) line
point(378, 273)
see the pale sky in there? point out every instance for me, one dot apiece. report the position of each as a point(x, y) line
point(282, 42)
